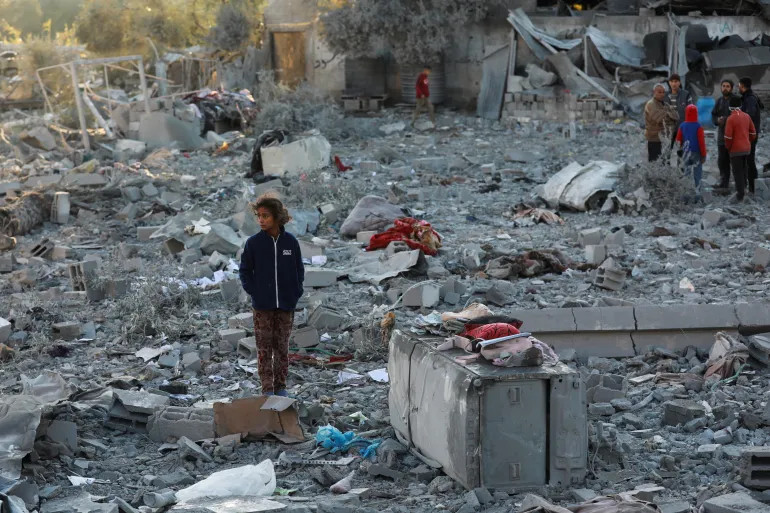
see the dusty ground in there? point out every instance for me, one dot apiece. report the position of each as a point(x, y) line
point(634, 450)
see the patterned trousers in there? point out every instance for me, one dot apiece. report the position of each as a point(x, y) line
point(271, 331)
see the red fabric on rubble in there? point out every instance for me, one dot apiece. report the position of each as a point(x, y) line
point(409, 230)
point(340, 166)
point(490, 331)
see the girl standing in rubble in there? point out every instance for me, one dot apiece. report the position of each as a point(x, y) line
point(272, 273)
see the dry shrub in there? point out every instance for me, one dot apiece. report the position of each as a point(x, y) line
point(153, 307)
point(295, 110)
point(39, 52)
point(668, 187)
point(233, 29)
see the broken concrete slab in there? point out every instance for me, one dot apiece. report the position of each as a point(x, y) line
point(128, 149)
point(305, 337)
point(161, 130)
point(220, 238)
point(39, 137)
point(306, 154)
point(64, 432)
point(317, 278)
point(734, 503)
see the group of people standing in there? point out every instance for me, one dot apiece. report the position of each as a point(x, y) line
point(672, 112)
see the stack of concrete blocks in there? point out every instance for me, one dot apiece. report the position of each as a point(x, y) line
point(131, 410)
point(562, 108)
point(598, 246)
point(356, 103)
point(177, 421)
point(609, 275)
point(620, 331)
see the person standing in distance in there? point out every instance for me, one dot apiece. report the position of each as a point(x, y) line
point(751, 105)
point(422, 88)
point(659, 116)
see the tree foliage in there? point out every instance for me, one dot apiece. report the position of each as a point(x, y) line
point(234, 27)
point(414, 32)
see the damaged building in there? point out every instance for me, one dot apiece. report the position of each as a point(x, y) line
point(506, 308)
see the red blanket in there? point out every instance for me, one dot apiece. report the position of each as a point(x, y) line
point(490, 331)
point(416, 234)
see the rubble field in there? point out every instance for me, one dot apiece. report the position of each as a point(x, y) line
point(123, 323)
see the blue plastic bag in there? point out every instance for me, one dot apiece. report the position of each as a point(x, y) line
point(331, 438)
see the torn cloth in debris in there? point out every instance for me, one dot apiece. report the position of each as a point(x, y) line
point(622, 503)
point(726, 356)
point(331, 438)
point(526, 216)
point(415, 234)
point(526, 351)
point(490, 331)
point(528, 264)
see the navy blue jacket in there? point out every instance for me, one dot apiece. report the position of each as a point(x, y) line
point(272, 272)
point(751, 106)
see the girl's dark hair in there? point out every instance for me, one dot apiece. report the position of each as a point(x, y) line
point(275, 207)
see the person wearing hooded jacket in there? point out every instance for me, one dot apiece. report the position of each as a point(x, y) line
point(692, 141)
point(751, 105)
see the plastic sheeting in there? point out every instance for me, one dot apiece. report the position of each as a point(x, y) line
point(531, 34)
point(248, 480)
point(575, 185)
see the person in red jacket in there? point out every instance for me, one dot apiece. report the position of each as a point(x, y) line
point(422, 89)
point(740, 133)
point(693, 143)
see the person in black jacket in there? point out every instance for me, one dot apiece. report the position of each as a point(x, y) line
point(719, 115)
point(751, 105)
point(272, 273)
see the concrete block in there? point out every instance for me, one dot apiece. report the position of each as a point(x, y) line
point(452, 298)
point(230, 290)
point(243, 320)
point(128, 149)
point(220, 238)
point(753, 317)
point(245, 223)
point(590, 237)
point(6, 262)
point(610, 277)
point(189, 256)
point(672, 317)
point(615, 238)
point(755, 467)
point(232, 335)
point(329, 212)
point(546, 320)
point(177, 421)
point(60, 208)
point(363, 237)
point(306, 154)
point(761, 257)
point(191, 361)
point(308, 250)
point(42, 249)
point(606, 318)
point(83, 180)
point(425, 295)
point(172, 246)
point(711, 218)
point(64, 432)
point(738, 502)
point(131, 194)
point(674, 507)
point(324, 318)
point(143, 233)
point(5, 330)
point(320, 277)
point(247, 348)
point(169, 361)
point(681, 411)
point(305, 337)
point(595, 253)
point(430, 163)
point(218, 261)
point(39, 137)
point(67, 330)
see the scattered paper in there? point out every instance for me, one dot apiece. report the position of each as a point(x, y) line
point(686, 284)
point(318, 259)
point(80, 481)
point(379, 375)
point(344, 377)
